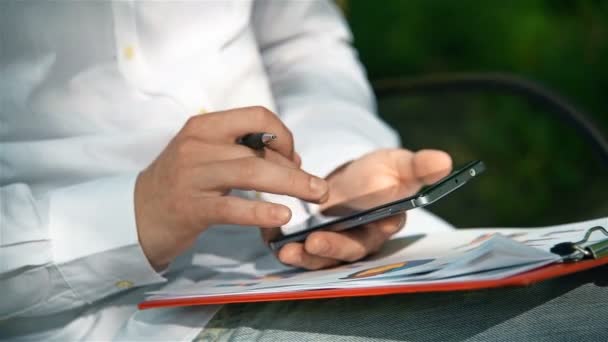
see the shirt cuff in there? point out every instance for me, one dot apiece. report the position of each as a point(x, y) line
point(94, 237)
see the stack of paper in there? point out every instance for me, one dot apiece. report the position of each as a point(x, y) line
point(462, 255)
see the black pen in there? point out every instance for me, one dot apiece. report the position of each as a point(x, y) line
point(256, 141)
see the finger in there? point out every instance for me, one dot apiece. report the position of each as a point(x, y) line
point(349, 245)
point(431, 165)
point(297, 159)
point(228, 126)
point(260, 175)
point(390, 225)
point(234, 210)
point(275, 157)
point(194, 151)
point(294, 254)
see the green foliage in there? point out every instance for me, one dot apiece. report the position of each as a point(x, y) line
point(540, 171)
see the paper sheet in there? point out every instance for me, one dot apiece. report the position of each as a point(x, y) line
point(462, 255)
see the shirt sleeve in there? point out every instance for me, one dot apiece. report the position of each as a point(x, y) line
point(319, 86)
point(69, 247)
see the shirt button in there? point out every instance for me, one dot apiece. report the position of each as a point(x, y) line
point(124, 284)
point(129, 52)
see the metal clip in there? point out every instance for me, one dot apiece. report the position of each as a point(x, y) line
point(598, 249)
point(575, 251)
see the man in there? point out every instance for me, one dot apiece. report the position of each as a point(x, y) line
point(119, 123)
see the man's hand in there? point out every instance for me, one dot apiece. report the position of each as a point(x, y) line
point(374, 171)
point(186, 188)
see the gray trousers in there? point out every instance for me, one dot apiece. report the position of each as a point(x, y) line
point(572, 308)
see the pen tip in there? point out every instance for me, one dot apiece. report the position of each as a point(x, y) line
point(268, 137)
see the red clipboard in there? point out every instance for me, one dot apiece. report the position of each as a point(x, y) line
point(523, 279)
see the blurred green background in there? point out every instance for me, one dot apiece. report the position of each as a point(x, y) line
point(540, 171)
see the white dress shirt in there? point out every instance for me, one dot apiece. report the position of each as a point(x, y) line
point(91, 92)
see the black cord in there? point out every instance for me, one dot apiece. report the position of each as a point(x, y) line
point(467, 82)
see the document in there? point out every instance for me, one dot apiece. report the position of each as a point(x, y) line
point(459, 256)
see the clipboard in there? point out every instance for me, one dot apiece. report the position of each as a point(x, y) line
point(577, 257)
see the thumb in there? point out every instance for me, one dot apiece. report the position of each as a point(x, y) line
point(431, 165)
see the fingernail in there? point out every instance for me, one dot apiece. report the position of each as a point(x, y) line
point(402, 221)
point(290, 255)
point(390, 229)
point(317, 185)
point(321, 247)
point(280, 214)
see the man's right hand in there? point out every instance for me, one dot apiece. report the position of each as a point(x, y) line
point(186, 188)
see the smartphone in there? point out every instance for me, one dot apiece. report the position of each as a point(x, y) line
point(378, 205)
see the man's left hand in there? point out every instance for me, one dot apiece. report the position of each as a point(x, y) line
point(375, 171)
